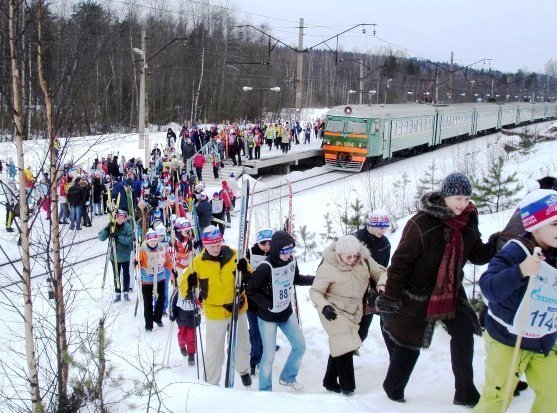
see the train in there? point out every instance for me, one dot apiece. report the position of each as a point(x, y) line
point(358, 137)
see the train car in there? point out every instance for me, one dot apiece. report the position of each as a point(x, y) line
point(360, 136)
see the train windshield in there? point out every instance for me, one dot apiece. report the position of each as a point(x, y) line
point(357, 127)
point(335, 125)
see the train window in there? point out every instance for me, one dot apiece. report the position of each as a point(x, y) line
point(357, 127)
point(335, 125)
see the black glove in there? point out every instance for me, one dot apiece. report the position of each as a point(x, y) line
point(242, 265)
point(494, 238)
point(329, 312)
point(113, 235)
point(175, 273)
point(135, 262)
point(385, 304)
point(108, 227)
point(192, 280)
point(196, 244)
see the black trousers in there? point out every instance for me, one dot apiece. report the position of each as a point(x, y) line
point(123, 273)
point(365, 323)
point(403, 360)
point(340, 372)
point(152, 315)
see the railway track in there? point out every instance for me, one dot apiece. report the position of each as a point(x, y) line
point(342, 175)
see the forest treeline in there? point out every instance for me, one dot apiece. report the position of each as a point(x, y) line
point(205, 62)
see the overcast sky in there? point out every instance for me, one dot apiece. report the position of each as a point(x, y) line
point(514, 34)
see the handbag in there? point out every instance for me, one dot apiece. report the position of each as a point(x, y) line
point(369, 296)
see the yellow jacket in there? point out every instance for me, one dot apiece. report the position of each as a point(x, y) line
point(216, 281)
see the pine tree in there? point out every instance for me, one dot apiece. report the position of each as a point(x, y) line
point(527, 142)
point(429, 182)
point(495, 191)
point(307, 239)
point(401, 187)
point(328, 234)
point(354, 217)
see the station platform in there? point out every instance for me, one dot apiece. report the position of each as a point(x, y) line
point(274, 161)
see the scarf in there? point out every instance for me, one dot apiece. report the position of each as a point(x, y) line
point(442, 303)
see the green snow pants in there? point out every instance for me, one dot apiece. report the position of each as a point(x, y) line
point(540, 371)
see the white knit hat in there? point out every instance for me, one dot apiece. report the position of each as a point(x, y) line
point(347, 244)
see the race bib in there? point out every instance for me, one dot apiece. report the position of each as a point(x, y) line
point(538, 309)
point(185, 304)
point(282, 284)
point(541, 318)
point(255, 260)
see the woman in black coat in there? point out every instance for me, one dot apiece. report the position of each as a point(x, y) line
point(424, 285)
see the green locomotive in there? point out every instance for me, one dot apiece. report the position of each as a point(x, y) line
point(359, 136)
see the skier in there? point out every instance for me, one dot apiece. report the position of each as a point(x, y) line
point(153, 261)
point(123, 237)
point(198, 162)
point(213, 271)
point(204, 211)
point(257, 254)
point(182, 310)
point(505, 284)
point(217, 208)
point(12, 206)
point(75, 202)
point(270, 288)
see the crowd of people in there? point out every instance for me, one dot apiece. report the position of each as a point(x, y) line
point(185, 269)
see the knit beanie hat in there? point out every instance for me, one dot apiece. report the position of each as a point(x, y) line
point(538, 208)
point(264, 234)
point(121, 214)
point(151, 234)
point(211, 235)
point(379, 218)
point(347, 244)
point(161, 230)
point(456, 184)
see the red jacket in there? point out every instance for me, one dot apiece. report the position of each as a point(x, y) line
point(199, 161)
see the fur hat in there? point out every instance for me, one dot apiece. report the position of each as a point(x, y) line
point(456, 184)
point(347, 244)
point(211, 235)
point(379, 218)
point(538, 208)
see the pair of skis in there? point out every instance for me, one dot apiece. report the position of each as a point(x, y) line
point(232, 333)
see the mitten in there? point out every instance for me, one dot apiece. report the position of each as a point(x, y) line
point(242, 265)
point(329, 312)
point(192, 280)
point(387, 305)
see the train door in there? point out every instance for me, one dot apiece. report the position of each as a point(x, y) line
point(387, 133)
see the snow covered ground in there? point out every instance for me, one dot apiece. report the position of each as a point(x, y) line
point(131, 350)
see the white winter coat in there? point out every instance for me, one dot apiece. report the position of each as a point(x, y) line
point(343, 287)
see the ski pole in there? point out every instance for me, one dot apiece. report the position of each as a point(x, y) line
point(515, 362)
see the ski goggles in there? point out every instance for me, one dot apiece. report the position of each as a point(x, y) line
point(121, 214)
point(287, 249)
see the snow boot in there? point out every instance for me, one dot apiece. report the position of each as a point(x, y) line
point(183, 351)
point(160, 324)
point(118, 298)
point(191, 359)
